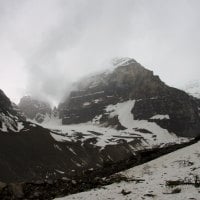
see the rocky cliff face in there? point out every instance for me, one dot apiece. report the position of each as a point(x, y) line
point(131, 81)
point(34, 109)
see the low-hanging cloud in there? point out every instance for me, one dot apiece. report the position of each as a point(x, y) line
point(55, 42)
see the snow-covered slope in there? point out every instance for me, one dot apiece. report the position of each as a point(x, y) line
point(148, 133)
point(175, 176)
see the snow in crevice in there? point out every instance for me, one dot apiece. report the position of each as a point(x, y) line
point(59, 171)
point(72, 150)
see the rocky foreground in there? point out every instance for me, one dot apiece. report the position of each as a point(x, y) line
point(49, 189)
point(175, 176)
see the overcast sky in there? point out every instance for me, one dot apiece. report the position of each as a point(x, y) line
point(46, 44)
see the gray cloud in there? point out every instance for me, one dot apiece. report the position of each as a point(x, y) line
point(52, 43)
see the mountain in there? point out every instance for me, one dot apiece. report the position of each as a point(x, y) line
point(193, 88)
point(29, 152)
point(35, 109)
point(98, 98)
point(112, 121)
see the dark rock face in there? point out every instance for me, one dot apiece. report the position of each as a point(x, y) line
point(132, 81)
point(182, 110)
point(34, 109)
point(5, 103)
point(126, 82)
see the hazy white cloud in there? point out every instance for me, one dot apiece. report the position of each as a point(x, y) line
point(47, 44)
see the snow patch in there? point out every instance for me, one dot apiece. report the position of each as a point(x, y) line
point(72, 150)
point(60, 172)
point(86, 103)
point(20, 126)
point(4, 127)
point(160, 117)
point(126, 118)
point(57, 147)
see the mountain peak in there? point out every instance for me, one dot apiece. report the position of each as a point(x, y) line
point(34, 109)
point(129, 80)
point(122, 61)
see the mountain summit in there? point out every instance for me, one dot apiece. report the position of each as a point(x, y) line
point(131, 81)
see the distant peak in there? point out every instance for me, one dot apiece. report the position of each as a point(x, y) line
point(193, 88)
point(122, 61)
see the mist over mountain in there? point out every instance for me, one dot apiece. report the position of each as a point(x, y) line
point(110, 121)
point(193, 88)
point(94, 94)
point(129, 80)
point(50, 42)
point(35, 109)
